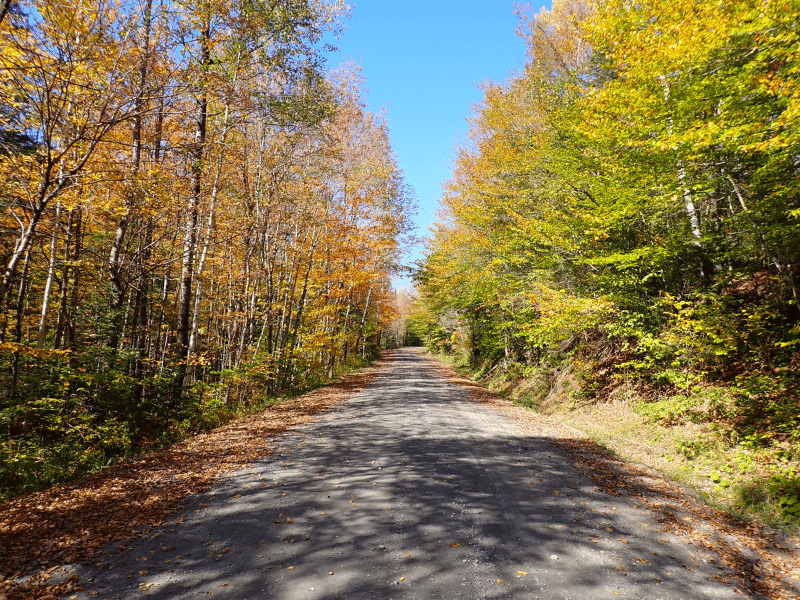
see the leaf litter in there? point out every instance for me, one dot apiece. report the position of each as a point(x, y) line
point(43, 532)
point(759, 560)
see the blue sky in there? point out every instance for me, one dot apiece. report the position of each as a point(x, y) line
point(423, 62)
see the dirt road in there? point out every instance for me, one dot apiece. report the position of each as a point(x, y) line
point(411, 490)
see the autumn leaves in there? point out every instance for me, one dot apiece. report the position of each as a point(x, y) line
point(188, 197)
point(642, 156)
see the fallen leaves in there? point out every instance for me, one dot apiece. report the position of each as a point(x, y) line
point(217, 555)
point(770, 575)
point(127, 500)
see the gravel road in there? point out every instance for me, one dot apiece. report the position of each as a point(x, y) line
point(410, 490)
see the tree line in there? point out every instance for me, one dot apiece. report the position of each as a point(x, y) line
point(196, 216)
point(633, 190)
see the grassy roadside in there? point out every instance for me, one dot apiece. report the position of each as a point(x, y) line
point(677, 438)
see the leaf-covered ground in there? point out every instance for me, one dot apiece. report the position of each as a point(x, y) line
point(766, 563)
point(68, 524)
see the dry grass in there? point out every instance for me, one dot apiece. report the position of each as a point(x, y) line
point(695, 454)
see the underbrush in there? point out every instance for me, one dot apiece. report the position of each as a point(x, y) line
point(66, 422)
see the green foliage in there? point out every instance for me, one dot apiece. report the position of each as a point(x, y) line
point(73, 415)
point(671, 410)
point(27, 466)
point(690, 449)
point(639, 181)
point(784, 484)
point(706, 404)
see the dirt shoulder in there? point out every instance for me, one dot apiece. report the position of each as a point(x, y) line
point(43, 532)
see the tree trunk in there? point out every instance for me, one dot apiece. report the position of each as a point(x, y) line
point(18, 329)
point(198, 294)
point(48, 286)
point(131, 197)
point(76, 273)
point(691, 210)
point(20, 251)
point(362, 324)
point(63, 287)
point(197, 152)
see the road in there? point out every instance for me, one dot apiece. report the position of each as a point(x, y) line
point(410, 490)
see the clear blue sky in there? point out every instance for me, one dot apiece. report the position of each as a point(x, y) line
point(423, 61)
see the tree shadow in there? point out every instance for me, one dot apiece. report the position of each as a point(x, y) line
point(355, 505)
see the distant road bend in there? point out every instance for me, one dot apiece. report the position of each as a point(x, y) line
point(411, 490)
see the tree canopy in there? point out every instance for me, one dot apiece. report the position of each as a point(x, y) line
point(638, 178)
point(196, 216)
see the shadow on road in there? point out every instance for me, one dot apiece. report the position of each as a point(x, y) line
point(411, 490)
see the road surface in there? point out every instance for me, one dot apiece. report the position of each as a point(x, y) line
point(409, 490)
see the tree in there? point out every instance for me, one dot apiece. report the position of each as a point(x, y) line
point(217, 220)
point(66, 92)
point(643, 163)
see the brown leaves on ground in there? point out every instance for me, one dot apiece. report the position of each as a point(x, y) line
point(71, 523)
point(735, 543)
point(759, 561)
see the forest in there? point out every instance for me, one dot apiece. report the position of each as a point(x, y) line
point(197, 217)
point(623, 223)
